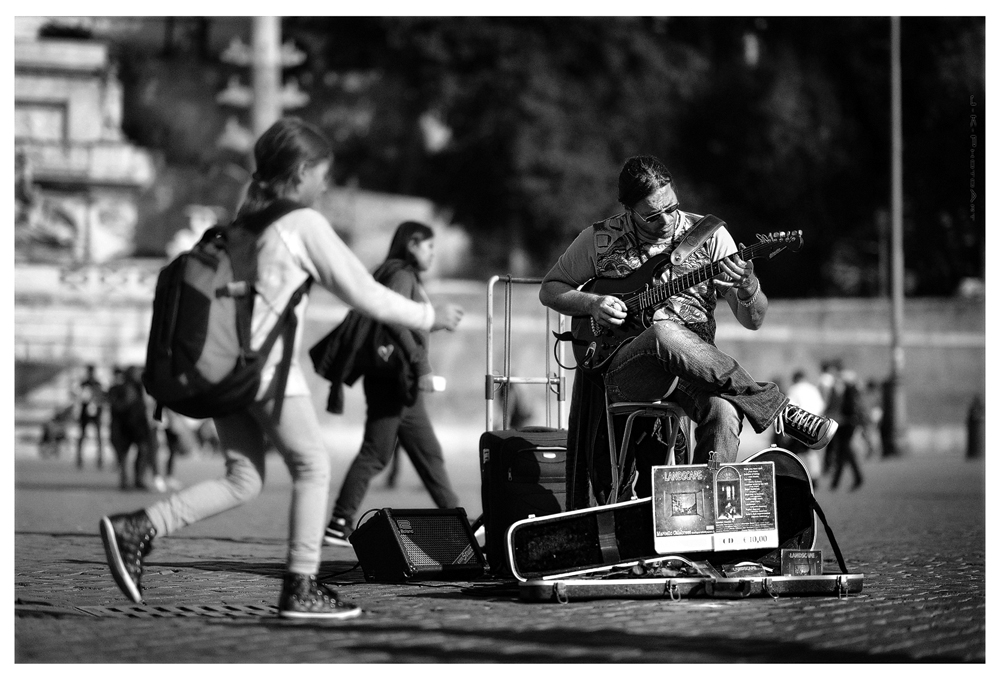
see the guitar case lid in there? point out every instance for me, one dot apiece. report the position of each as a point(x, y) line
point(696, 236)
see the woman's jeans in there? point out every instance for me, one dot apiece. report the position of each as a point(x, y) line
point(299, 440)
point(714, 390)
point(386, 420)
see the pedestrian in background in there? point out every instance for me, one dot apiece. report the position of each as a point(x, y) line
point(396, 412)
point(152, 457)
point(90, 399)
point(805, 395)
point(831, 388)
point(293, 162)
point(180, 440)
point(130, 426)
point(55, 432)
point(873, 400)
point(853, 415)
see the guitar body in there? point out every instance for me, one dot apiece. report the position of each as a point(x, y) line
point(594, 345)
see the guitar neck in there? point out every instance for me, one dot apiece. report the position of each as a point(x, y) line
point(659, 294)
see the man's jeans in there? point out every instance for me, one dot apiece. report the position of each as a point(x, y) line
point(714, 390)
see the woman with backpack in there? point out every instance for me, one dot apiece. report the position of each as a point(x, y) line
point(396, 410)
point(293, 162)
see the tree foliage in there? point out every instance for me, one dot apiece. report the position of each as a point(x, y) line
point(771, 124)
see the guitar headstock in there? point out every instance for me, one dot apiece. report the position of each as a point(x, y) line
point(781, 240)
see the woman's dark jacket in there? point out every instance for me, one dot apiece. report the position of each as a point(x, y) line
point(348, 352)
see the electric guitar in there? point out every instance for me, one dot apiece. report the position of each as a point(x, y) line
point(595, 345)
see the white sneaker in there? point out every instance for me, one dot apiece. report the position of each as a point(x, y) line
point(338, 533)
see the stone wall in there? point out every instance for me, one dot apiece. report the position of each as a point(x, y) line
point(103, 318)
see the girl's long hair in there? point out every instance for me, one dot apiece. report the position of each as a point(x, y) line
point(279, 152)
point(405, 233)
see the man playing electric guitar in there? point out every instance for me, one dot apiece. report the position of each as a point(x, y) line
point(713, 389)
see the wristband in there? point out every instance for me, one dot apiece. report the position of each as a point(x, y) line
point(757, 288)
point(749, 302)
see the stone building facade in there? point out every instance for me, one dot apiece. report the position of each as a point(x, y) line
point(76, 179)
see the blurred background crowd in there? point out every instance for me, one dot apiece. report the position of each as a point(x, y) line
point(133, 135)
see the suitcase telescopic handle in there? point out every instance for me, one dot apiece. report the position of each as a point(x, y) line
point(554, 381)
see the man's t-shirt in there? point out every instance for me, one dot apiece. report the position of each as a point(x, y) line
point(614, 249)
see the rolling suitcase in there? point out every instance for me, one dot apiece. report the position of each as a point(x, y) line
point(523, 471)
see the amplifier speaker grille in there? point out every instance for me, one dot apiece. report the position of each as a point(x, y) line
point(402, 545)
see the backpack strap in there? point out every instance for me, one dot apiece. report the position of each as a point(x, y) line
point(287, 323)
point(829, 533)
point(243, 258)
point(244, 264)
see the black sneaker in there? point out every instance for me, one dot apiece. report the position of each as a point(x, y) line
point(337, 533)
point(127, 539)
point(302, 597)
point(812, 430)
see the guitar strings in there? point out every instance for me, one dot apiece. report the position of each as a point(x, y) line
point(662, 292)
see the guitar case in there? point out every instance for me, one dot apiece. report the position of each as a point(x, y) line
point(584, 553)
point(569, 590)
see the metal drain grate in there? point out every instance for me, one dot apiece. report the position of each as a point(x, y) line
point(223, 611)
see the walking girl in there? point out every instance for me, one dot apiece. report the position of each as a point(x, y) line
point(396, 414)
point(293, 162)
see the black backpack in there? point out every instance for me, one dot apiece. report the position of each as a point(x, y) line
point(199, 362)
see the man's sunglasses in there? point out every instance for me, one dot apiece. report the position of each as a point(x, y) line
point(669, 210)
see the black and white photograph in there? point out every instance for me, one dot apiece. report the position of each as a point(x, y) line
point(317, 316)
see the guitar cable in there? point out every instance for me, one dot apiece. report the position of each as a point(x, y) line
point(563, 337)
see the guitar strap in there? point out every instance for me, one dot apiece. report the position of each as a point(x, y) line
point(696, 236)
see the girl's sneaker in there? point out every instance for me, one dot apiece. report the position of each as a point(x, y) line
point(127, 538)
point(338, 533)
point(303, 597)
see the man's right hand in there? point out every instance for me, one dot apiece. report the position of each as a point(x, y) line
point(447, 316)
point(608, 310)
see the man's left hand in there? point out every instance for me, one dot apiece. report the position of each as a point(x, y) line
point(736, 273)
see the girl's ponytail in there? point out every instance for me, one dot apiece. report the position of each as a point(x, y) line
point(278, 154)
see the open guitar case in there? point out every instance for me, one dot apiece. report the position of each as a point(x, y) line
point(607, 552)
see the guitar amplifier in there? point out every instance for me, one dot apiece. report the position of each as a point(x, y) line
point(402, 545)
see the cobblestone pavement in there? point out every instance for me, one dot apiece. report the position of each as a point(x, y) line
point(916, 530)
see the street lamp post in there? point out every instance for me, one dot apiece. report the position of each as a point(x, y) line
point(266, 44)
point(897, 393)
point(266, 57)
